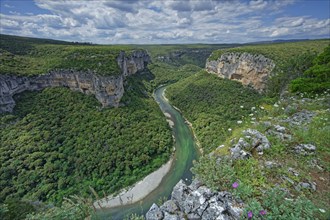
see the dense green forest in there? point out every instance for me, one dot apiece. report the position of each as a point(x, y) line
point(26, 56)
point(58, 143)
point(279, 52)
point(315, 79)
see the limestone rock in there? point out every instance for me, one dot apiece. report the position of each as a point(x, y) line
point(108, 90)
point(249, 69)
point(171, 216)
point(309, 185)
point(305, 149)
point(271, 164)
point(137, 61)
point(252, 139)
point(300, 118)
point(198, 202)
point(280, 132)
point(169, 206)
point(154, 213)
point(258, 140)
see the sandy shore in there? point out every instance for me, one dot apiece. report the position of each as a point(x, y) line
point(136, 192)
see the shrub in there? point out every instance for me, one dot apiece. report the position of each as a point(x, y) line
point(276, 206)
point(216, 173)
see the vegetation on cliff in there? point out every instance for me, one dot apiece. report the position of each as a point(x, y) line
point(279, 52)
point(291, 60)
point(26, 57)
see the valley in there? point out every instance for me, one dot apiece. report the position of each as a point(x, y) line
point(70, 136)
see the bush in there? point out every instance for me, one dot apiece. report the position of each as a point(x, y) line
point(216, 173)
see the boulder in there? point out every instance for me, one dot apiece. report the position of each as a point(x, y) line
point(252, 139)
point(300, 118)
point(280, 132)
point(154, 213)
point(196, 201)
point(305, 149)
point(169, 207)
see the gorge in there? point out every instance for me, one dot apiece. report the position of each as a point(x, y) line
point(59, 139)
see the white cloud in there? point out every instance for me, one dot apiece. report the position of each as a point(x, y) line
point(170, 21)
point(8, 6)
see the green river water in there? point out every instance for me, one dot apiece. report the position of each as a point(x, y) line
point(186, 151)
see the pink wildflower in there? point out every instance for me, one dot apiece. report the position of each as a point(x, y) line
point(250, 214)
point(235, 185)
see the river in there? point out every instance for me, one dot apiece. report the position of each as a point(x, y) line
point(185, 152)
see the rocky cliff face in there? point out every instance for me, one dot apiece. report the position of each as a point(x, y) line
point(196, 202)
point(252, 70)
point(108, 90)
point(135, 62)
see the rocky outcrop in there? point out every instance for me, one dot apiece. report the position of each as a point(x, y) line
point(137, 61)
point(253, 140)
point(196, 201)
point(251, 70)
point(108, 90)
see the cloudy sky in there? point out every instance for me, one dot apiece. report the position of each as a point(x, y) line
point(166, 21)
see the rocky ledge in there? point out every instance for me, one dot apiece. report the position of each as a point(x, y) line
point(196, 201)
point(251, 70)
point(108, 90)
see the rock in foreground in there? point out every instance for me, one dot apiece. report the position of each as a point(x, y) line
point(196, 201)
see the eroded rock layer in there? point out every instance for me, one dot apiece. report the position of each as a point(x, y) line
point(249, 69)
point(108, 90)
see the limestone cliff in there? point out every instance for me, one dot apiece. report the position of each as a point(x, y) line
point(135, 62)
point(108, 90)
point(249, 69)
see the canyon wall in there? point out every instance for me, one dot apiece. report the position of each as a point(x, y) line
point(249, 69)
point(108, 90)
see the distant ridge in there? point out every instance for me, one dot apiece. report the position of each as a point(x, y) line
point(17, 44)
point(279, 41)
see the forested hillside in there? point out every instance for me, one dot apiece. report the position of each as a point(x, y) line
point(212, 105)
point(58, 143)
point(29, 56)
